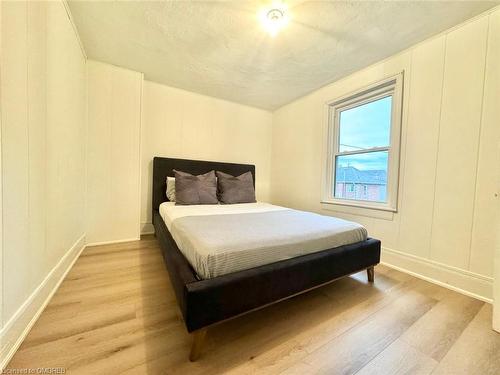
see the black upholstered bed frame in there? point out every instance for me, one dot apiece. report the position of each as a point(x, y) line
point(207, 302)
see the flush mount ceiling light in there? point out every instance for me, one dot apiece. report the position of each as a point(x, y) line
point(274, 18)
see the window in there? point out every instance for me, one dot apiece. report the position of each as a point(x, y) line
point(363, 147)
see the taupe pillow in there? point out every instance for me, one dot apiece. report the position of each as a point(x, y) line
point(235, 189)
point(191, 189)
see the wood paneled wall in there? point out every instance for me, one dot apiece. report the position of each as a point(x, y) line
point(114, 120)
point(178, 123)
point(445, 227)
point(43, 109)
point(490, 144)
point(131, 120)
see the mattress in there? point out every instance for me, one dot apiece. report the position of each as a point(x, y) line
point(221, 239)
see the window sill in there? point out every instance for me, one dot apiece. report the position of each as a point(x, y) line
point(385, 213)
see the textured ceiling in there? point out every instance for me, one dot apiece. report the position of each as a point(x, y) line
point(219, 49)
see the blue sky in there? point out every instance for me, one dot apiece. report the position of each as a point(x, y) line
point(369, 161)
point(366, 127)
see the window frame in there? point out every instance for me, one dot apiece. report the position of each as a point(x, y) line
point(391, 86)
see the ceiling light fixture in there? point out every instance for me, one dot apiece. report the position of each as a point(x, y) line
point(274, 18)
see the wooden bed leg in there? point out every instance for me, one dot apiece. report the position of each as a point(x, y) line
point(198, 339)
point(370, 271)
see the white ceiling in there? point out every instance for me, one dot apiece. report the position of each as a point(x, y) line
point(219, 49)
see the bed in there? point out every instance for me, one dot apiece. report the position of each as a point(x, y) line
point(217, 285)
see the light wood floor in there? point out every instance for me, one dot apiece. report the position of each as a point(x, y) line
point(116, 314)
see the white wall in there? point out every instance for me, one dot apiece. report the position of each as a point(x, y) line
point(174, 123)
point(446, 223)
point(114, 120)
point(1, 204)
point(491, 114)
point(178, 123)
point(43, 157)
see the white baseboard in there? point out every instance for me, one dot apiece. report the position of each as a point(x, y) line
point(113, 241)
point(147, 228)
point(19, 325)
point(462, 281)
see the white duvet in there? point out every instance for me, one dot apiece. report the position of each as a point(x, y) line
point(221, 239)
point(169, 211)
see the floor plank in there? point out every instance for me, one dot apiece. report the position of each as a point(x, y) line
point(436, 332)
point(477, 350)
point(399, 358)
point(116, 313)
point(352, 350)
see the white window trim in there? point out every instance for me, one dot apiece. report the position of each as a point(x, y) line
point(390, 86)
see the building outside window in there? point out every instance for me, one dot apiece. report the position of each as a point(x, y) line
point(363, 147)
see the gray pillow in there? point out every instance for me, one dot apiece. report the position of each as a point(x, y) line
point(191, 189)
point(235, 189)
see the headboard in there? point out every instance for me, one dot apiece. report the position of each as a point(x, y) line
point(163, 167)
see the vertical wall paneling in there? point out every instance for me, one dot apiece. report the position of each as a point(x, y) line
point(178, 123)
point(114, 120)
point(496, 257)
point(1, 182)
point(487, 208)
point(458, 143)
point(37, 114)
point(485, 213)
point(14, 153)
point(422, 134)
point(43, 111)
point(444, 227)
point(65, 136)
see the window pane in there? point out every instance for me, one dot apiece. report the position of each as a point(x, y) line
point(366, 126)
point(362, 176)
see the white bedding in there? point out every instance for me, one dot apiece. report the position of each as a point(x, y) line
point(169, 211)
point(221, 239)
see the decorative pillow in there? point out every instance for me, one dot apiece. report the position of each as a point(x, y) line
point(191, 189)
point(171, 189)
point(235, 189)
